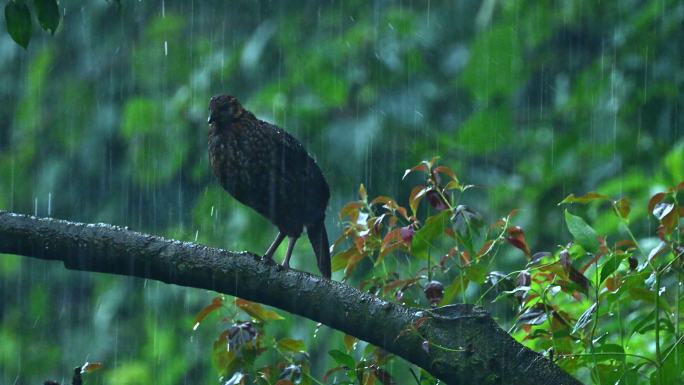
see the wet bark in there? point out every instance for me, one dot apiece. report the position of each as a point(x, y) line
point(465, 345)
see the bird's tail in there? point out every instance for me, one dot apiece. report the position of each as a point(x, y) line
point(319, 241)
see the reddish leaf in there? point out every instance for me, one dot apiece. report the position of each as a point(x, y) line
point(239, 335)
point(414, 199)
point(257, 311)
point(291, 345)
point(623, 206)
point(447, 257)
point(657, 198)
point(680, 186)
point(669, 219)
point(662, 210)
point(392, 236)
point(215, 304)
point(573, 273)
point(614, 283)
point(332, 371)
point(625, 244)
point(446, 171)
point(421, 167)
point(404, 283)
point(377, 223)
point(661, 249)
point(403, 212)
point(349, 342)
point(538, 256)
point(584, 319)
point(392, 241)
point(340, 261)
point(351, 210)
point(363, 195)
point(382, 199)
point(385, 251)
point(516, 237)
point(633, 263)
point(359, 242)
point(486, 248)
point(420, 321)
point(454, 185)
point(90, 367)
point(465, 257)
point(533, 316)
point(436, 200)
point(407, 233)
point(236, 379)
point(353, 262)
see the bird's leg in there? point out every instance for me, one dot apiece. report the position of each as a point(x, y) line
point(274, 246)
point(290, 247)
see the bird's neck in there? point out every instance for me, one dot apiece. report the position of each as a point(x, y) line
point(233, 127)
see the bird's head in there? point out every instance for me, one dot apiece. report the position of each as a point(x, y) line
point(224, 109)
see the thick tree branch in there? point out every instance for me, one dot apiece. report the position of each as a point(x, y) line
point(466, 344)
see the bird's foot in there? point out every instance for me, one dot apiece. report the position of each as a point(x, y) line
point(274, 246)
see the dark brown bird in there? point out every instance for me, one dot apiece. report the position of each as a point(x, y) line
point(264, 167)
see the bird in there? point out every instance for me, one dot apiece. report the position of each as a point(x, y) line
point(266, 168)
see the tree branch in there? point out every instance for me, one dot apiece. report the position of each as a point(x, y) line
point(466, 344)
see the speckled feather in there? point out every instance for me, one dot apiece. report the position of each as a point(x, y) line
point(266, 168)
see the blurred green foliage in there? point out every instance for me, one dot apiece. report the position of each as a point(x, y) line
point(105, 122)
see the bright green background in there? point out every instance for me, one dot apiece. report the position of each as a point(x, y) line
point(105, 122)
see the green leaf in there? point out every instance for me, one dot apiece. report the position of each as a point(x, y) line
point(607, 374)
point(673, 365)
point(454, 288)
point(609, 267)
point(18, 20)
point(586, 198)
point(433, 228)
point(476, 272)
point(645, 322)
point(582, 232)
point(291, 345)
point(609, 352)
point(584, 319)
point(643, 294)
point(48, 14)
point(343, 358)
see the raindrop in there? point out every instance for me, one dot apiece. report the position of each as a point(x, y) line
point(315, 333)
point(49, 209)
